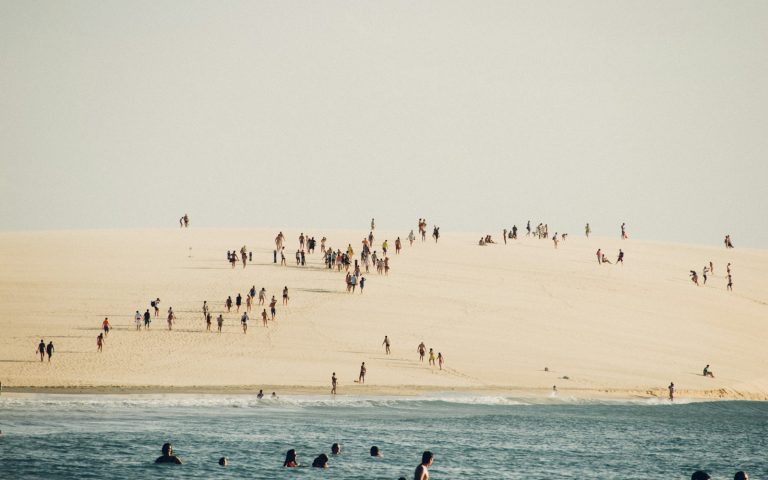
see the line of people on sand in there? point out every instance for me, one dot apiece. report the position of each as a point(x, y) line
point(244, 256)
point(292, 459)
point(709, 271)
point(601, 258)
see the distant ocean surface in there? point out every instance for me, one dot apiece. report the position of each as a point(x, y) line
point(119, 436)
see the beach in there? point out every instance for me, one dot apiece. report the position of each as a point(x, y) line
point(500, 314)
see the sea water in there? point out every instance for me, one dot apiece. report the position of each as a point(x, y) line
point(119, 436)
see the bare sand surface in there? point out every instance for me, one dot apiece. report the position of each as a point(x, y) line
point(500, 314)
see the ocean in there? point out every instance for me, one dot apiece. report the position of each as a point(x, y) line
point(119, 436)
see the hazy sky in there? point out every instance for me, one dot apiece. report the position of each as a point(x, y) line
point(323, 114)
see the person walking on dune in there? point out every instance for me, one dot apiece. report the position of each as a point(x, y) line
point(422, 349)
point(272, 305)
point(431, 357)
point(599, 256)
point(620, 260)
point(385, 343)
point(264, 317)
point(41, 349)
point(137, 320)
point(171, 318)
point(624, 231)
point(106, 326)
point(411, 237)
point(587, 230)
point(440, 360)
point(220, 321)
point(694, 277)
point(100, 342)
point(244, 322)
point(238, 302)
point(285, 295)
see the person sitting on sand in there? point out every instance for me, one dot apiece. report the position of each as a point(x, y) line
point(481, 242)
point(605, 260)
point(422, 471)
point(290, 459)
point(321, 461)
point(168, 456)
point(708, 372)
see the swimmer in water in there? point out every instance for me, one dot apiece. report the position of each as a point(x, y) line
point(168, 456)
point(336, 449)
point(422, 471)
point(223, 461)
point(375, 452)
point(290, 459)
point(321, 461)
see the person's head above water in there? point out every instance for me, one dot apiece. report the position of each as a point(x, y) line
point(426, 458)
point(168, 456)
point(290, 458)
point(375, 452)
point(321, 461)
point(336, 448)
point(223, 461)
point(700, 475)
point(741, 476)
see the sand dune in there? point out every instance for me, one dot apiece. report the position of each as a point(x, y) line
point(499, 314)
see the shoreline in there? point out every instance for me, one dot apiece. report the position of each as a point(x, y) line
point(389, 391)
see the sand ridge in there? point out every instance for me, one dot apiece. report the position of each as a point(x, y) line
point(499, 314)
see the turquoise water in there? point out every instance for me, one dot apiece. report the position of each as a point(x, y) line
point(85, 436)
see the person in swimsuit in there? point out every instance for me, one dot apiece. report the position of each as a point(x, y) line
point(220, 321)
point(422, 349)
point(290, 459)
point(422, 471)
point(335, 449)
point(386, 345)
point(671, 389)
point(285, 295)
point(363, 370)
point(41, 349)
point(156, 306)
point(168, 456)
point(431, 357)
point(105, 326)
point(147, 319)
point(228, 303)
point(264, 317)
point(362, 284)
point(244, 322)
point(208, 318)
point(334, 381)
point(171, 318)
point(440, 360)
point(248, 302)
point(49, 351)
point(99, 342)
point(599, 256)
point(272, 305)
point(730, 283)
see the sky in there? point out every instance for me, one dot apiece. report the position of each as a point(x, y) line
point(475, 115)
